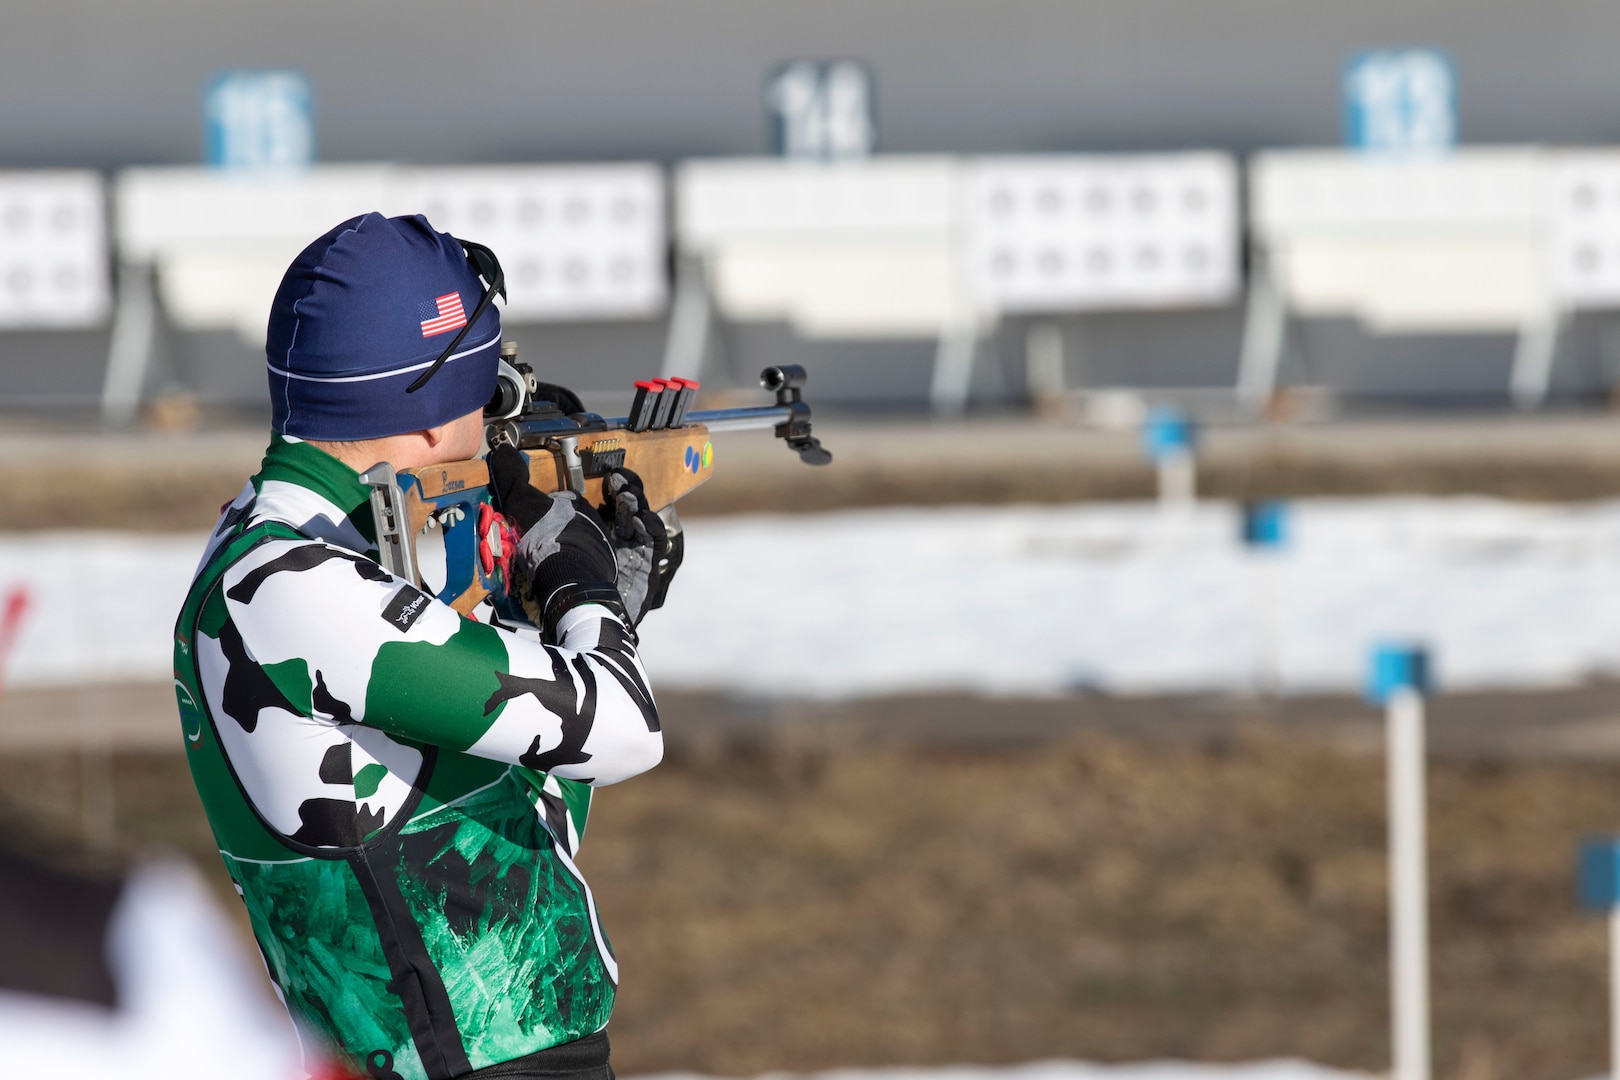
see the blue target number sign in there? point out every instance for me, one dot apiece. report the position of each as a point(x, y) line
point(259, 120)
point(1400, 99)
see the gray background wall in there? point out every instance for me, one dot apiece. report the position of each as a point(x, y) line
point(106, 85)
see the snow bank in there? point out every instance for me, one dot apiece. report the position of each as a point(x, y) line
point(1006, 600)
point(1042, 600)
point(102, 604)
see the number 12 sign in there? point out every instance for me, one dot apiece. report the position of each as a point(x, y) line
point(1400, 99)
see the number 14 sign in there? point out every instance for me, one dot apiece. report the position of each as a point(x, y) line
point(821, 109)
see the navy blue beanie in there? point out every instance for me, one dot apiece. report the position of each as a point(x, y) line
point(360, 314)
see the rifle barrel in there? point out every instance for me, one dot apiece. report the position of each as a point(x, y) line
point(751, 418)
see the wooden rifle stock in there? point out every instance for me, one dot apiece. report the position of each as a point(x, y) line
point(436, 526)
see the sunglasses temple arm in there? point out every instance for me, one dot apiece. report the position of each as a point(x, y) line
point(478, 313)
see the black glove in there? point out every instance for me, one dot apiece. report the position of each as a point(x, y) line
point(564, 558)
point(646, 553)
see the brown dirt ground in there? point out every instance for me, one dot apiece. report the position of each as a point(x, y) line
point(135, 493)
point(801, 895)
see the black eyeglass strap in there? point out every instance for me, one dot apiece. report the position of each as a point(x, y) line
point(488, 268)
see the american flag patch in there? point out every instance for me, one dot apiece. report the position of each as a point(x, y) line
point(444, 314)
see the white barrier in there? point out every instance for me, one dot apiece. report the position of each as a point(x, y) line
point(1480, 239)
point(1087, 233)
point(850, 249)
point(1414, 244)
point(214, 244)
point(847, 249)
point(53, 250)
point(220, 240)
point(164, 210)
point(576, 241)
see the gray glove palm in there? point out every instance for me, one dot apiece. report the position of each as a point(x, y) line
point(646, 555)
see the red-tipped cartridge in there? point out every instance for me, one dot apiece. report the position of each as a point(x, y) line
point(666, 402)
point(645, 406)
point(688, 389)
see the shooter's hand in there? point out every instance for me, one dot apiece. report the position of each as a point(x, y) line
point(564, 555)
point(646, 554)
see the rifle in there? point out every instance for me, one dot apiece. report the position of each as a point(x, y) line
point(437, 529)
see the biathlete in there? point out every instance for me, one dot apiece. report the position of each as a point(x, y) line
point(398, 791)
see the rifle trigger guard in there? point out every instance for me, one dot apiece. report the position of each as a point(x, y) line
point(568, 445)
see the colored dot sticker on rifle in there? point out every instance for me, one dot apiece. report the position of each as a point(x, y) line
point(696, 460)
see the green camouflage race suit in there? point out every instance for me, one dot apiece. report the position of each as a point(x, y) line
point(398, 791)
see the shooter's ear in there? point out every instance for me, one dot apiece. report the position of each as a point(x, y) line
point(433, 436)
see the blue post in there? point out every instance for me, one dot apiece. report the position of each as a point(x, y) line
point(1397, 666)
point(1263, 529)
point(1398, 678)
point(1265, 524)
point(1168, 438)
point(1600, 891)
point(1167, 432)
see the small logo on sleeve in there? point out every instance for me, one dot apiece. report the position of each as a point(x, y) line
point(405, 608)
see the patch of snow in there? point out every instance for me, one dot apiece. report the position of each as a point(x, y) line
point(1129, 599)
point(103, 604)
point(1044, 600)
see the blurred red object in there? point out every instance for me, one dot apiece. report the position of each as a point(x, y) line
point(17, 604)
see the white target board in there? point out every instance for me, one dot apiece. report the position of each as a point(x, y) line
point(1101, 232)
point(53, 250)
point(1407, 243)
point(850, 249)
point(164, 210)
point(1584, 210)
point(1293, 191)
point(718, 202)
point(221, 240)
point(575, 241)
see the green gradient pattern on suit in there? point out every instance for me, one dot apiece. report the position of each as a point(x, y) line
point(512, 933)
point(509, 929)
point(315, 930)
